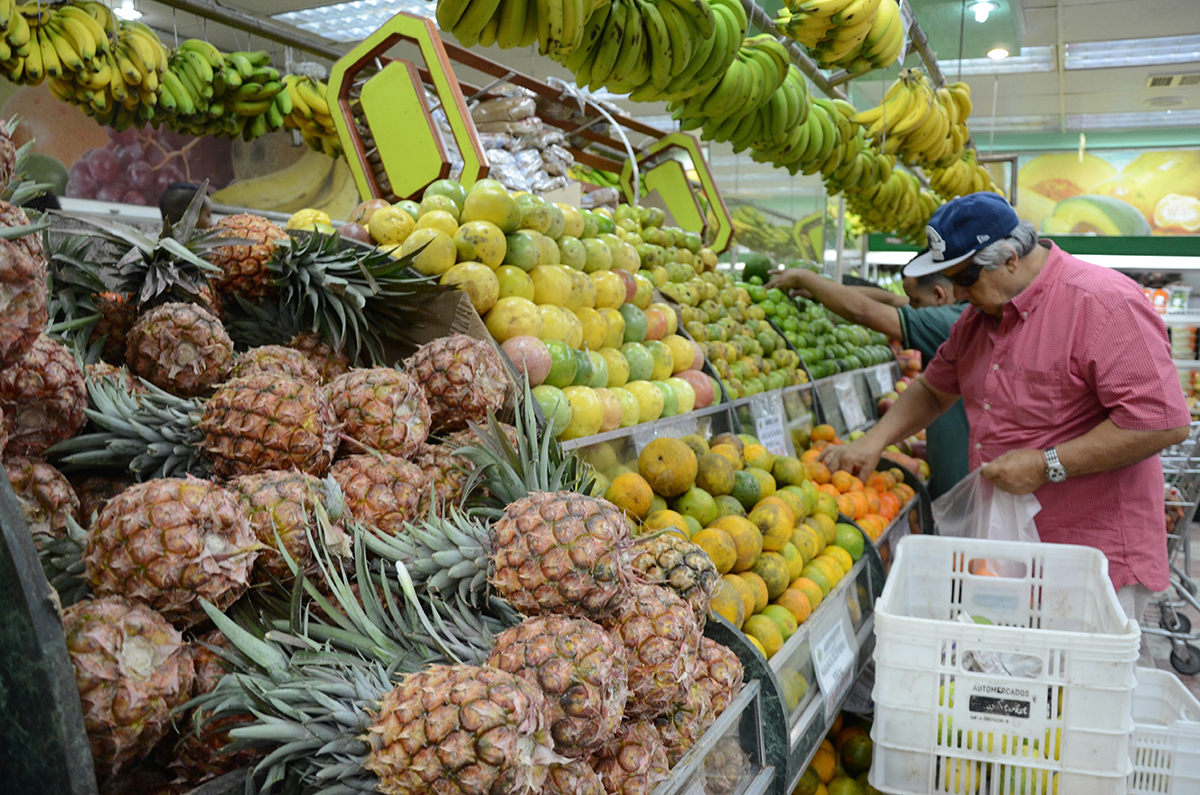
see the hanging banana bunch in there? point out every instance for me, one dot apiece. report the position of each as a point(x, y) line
point(310, 114)
point(923, 125)
point(859, 35)
point(965, 175)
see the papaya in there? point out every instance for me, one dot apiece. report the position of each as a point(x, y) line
point(1150, 176)
point(1096, 215)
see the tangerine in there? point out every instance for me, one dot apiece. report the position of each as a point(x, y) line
point(810, 455)
point(719, 546)
point(631, 493)
point(818, 472)
point(714, 474)
point(775, 521)
point(810, 589)
point(873, 501)
point(727, 603)
point(773, 569)
point(668, 465)
point(796, 603)
point(745, 590)
point(762, 595)
point(842, 481)
point(823, 433)
point(746, 539)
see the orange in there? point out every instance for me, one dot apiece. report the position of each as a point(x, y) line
point(746, 537)
point(823, 433)
point(810, 589)
point(761, 594)
point(823, 525)
point(810, 455)
point(841, 556)
point(796, 603)
point(843, 481)
point(861, 505)
point(773, 569)
point(730, 454)
point(719, 546)
point(881, 481)
point(746, 591)
point(792, 500)
point(817, 575)
point(727, 603)
point(766, 483)
point(631, 493)
point(874, 504)
point(845, 505)
point(846, 733)
point(889, 504)
point(775, 521)
point(758, 456)
point(766, 632)
point(826, 563)
point(794, 558)
point(825, 760)
point(809, 783)
point(818, 472)
point(665, 520)
point(826, 506)
point(668, 465)
point(806, 540)
point(714, 474)
point(788, 471)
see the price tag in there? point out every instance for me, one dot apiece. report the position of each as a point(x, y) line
point(769, 424)
point(847, 397)
point(834, 656)
point(883, 378)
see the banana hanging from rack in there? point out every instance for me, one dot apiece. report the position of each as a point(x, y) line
point(858, 35)
point(310, 114)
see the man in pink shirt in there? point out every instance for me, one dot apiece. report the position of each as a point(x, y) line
point(1066, 374)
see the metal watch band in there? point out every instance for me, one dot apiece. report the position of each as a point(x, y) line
point(1055, 471)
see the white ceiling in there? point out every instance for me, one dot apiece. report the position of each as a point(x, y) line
point(1037, 95)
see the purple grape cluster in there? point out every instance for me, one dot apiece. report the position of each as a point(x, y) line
point(136, 166)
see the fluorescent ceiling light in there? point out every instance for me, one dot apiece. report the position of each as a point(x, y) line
point(126, 11)
point(1028, 59)
point(355, 20)
point(1013, 124)
point(1133, 52)
point(982, 9)
point(1085, 122)
point(998, 53)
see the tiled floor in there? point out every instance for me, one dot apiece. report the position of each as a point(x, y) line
point(1160, 647)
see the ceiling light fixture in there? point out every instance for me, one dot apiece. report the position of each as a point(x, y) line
point(126, 11)
point(982, 9)
point(997, 53)
point(1133, 52)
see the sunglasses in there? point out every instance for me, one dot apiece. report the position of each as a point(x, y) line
point(968, 277)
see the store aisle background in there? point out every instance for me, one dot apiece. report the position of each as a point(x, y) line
point(1160, 647)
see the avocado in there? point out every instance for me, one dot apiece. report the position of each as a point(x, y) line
point(757, 265)
point(1096, 215)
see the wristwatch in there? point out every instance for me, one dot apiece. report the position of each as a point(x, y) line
point(1055, 472)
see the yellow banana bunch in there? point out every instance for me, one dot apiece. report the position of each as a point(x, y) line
point(859, 35)
point(924, 126)
point(965, 175)
point(754, 231)
point(310, 114)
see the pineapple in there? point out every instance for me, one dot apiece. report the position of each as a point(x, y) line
point(121, 375)
point(46, 498)
point(381, 409)
point(43, 397)
point(118, 313)
point(660, 633)
point(383, 491)
point(680, 728)
point(581, 670)
point(196, 752)
point(447, 475)
point(634, 761)
point(282, 503)
point(23, 310)
point(251, 424)
point(170, 542)
point(687, 569)
point(276, 359)
point(8, 151)
point(244, 268)
point(561, 553)
point(464, 379)
point(725, 766)
point(132, 668)
point(460, 728)
point(3, 431)
point(572, 778)
point(266, 422)
point(94, 491)
point(719, 671)
point(181, 348)
point(329, 362)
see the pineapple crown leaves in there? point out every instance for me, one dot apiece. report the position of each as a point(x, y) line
point(447, 555)
point(536, 463)
point(71, 282)
point(151, 435)
point(251, 325)
point(352, 298)
point(19, 190)
point(62, 562)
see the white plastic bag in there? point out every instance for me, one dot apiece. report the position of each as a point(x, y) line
point(975, 508)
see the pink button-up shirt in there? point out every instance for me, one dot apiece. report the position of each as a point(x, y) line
point(1080, 345)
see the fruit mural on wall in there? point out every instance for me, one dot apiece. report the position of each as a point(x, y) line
point(1118, 193)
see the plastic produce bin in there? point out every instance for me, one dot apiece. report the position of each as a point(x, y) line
point(1165, 748)
point(1037, 703)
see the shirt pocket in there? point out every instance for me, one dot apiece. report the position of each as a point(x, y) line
point(1039, 398)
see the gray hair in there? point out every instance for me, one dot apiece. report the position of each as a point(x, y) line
point(1020, 241)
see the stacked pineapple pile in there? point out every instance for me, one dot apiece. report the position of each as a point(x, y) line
point(274, 550)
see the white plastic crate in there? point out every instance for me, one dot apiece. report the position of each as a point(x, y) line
point(1056, 721)
point(1166, 736)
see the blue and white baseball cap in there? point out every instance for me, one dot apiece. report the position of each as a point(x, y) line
point(962, 226)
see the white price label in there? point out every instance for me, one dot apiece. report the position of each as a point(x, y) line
point(769, 424)
point(847, 397)
point(883, 378)
point(834, 656)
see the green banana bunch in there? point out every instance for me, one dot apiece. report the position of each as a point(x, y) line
point(557, 26)
point(595, 176)
point(208, 92)
point(310, 115)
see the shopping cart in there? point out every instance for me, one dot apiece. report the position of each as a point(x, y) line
point(1181, 475)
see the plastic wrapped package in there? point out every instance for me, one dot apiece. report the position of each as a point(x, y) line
point(529, 161)
point(520, 128)
point(544, 183)
point(499, 157)
point(496, 140)
point(601, 197)
point(510, 177)
point(541, 137)
point(503, 109)
point(509, 90)
point(558, 161)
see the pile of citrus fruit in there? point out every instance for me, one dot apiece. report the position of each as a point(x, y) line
point(873, 504)
point(842, 761)
point(771, 533)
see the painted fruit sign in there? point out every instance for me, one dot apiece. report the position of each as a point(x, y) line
point(1116, 193)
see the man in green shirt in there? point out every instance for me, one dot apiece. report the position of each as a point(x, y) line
point(922, 322)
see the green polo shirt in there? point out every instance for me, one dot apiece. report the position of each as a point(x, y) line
point(947, 437)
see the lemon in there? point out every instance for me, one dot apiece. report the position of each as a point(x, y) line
point(392, 225)
point(438, 254)
point(302, 218)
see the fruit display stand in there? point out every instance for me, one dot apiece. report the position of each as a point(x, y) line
point(628, 442)
point(845, 402)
